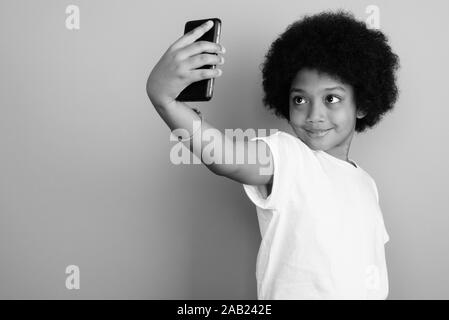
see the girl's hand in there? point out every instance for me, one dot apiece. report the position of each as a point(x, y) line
point(176, 68)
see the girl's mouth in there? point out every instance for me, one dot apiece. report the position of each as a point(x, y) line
point(317, 133)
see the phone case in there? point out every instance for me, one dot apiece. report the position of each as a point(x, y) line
point(201, 90)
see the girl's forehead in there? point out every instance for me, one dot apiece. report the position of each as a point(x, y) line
point(313, 80)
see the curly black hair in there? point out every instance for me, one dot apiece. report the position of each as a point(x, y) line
point(339, 45)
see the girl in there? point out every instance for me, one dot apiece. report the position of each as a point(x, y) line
point(329, 76)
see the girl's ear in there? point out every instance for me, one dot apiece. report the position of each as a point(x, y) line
point(360, 114)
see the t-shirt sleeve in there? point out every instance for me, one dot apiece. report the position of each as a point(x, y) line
point(258, 193)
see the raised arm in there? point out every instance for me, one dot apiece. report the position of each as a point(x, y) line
point(176, 69)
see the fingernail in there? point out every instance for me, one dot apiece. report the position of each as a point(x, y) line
point(209, 23)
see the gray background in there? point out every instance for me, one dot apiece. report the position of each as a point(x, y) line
point(85, 174)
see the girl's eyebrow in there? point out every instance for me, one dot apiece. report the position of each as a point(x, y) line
point(331, 88)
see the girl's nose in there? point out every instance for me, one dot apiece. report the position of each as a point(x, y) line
point(316, 112)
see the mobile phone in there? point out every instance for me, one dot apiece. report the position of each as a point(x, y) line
point(201, 90)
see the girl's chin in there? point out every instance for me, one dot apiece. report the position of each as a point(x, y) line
point(317, 146)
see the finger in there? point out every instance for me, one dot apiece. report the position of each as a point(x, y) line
point(200, 60)
point(192, 35)
point(201, 74)
point(199, 47)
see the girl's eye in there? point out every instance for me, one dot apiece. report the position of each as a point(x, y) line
point(295, 99)
point(331, 98)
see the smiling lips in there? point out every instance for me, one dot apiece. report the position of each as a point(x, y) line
point(317, 133)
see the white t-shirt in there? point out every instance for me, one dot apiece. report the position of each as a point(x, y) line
point(322, 229)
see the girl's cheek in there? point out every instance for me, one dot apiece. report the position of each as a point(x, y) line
point(296, 114)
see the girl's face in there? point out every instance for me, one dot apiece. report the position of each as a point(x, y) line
point(322, 112)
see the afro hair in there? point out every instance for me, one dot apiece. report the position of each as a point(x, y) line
point(337, 44)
